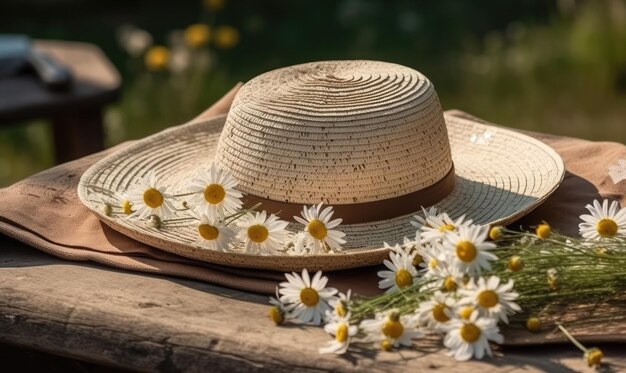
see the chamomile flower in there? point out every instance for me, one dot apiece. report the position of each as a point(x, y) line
point(402, 272)
point(215, 192)
point(391, 327)
point(343, 332)
point(277, 311)
point(491, 298)
point(435, 313)
point(124, 203)
point(148, 197)
point(445, 277)
point(213, 234)
point(415, 249)
point(262, 234)
point(470, 338)
point(468, 248)
point(318, 225)
point(604, 222)
point(340, 305)
point(307, 299)
point(421, 221)
point(434, 226)
point(433, 257)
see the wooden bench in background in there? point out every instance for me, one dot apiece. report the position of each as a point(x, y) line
point(75, 115)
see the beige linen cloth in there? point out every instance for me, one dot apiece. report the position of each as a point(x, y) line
point(44, 212)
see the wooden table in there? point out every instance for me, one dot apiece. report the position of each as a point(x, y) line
point(150, 323)
point(76, 115)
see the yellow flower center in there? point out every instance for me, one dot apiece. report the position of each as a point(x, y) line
point(495, 233)
point(533, 324)
point(439, 313)
point(606, 227)
point(466, 251)
point(276, 315)
point(466, 312)
point(594, 356)
point(385, 345)
point(341, 334)
point(340, 309)
point(152, 198)
point(470, 333)
point(403, 278)
point(126, 207)
point(208, 232)
point(214, 193)
point(417, 259)
point(317, 229)
point(449, 284)
point(309, 297)
point(515, 263)
point(258, 233)
point(446, 228)
point(543, 231)
point(487, 298)
point(433, 263)
point(393, 329)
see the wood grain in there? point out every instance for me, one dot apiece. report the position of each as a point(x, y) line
point(150, 323)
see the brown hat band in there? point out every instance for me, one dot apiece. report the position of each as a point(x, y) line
point(367, 211)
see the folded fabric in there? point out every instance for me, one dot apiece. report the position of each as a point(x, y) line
point(44, 212)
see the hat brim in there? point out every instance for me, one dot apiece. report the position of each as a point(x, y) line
point(501, 175)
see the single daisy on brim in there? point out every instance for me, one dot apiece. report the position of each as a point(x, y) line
point(213, 234)
point(401, 273)
point(343, 332)
point(149, 198)
point(433, 226)
point(318, 225)
point(435, 313)
point(307, 299)
point(491, 298)
point(470, 338)
point(398, 330)
point(262, 234)
point(468, 249)
point(214, 191)
point(604, 222)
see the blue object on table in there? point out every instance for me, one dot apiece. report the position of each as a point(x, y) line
point(16, 56)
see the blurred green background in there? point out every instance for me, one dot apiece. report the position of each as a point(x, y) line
point(550, 66)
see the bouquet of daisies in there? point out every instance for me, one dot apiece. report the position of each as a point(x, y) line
point(463, 282)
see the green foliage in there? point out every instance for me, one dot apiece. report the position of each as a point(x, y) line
point(528, 64)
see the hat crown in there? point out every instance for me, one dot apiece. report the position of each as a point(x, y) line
point(341, 132)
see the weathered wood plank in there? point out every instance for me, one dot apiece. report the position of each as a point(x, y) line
point(151, 323)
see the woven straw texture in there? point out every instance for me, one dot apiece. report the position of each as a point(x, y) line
point(335, 131)
point(338, 136)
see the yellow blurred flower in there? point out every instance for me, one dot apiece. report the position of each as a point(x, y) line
point(214, 4)
point(197, 35)
point(156, 58)
point(226, 37)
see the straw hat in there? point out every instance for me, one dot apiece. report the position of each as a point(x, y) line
point(367, 137)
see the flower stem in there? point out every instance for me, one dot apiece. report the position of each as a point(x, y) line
point(572, 339)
